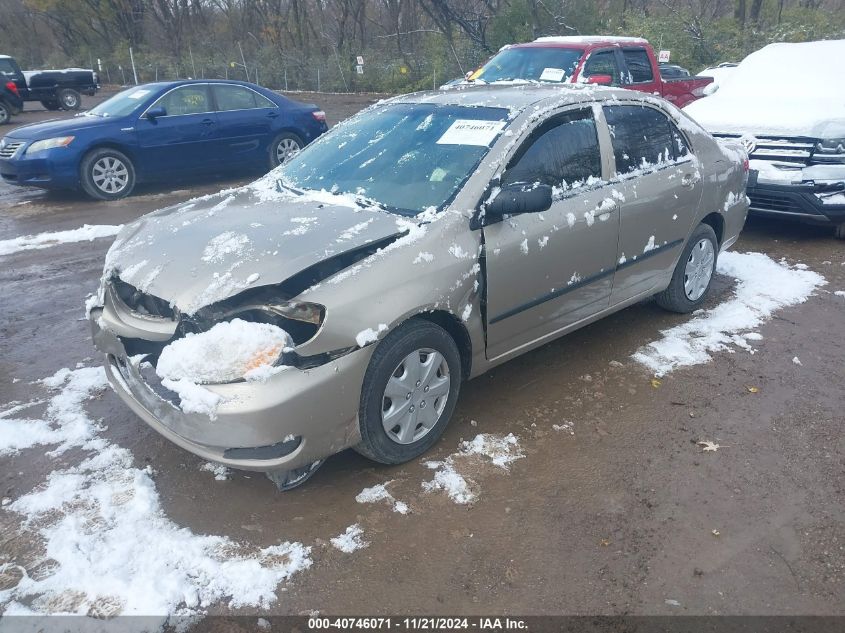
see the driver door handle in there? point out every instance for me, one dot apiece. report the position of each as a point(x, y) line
point(207, 121)
point(607, 207)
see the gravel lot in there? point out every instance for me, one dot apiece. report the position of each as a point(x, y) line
point(618, 512)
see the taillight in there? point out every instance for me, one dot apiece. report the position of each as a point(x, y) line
point(745, 165)
point(319, 115)
point(11, 86)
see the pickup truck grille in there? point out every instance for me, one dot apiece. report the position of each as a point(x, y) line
point(779, 149)
point(10, 148)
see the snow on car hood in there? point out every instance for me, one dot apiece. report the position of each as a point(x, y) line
point(782, 89)
point(206, 250)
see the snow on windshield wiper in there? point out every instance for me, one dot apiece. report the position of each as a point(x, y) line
point(281, 186)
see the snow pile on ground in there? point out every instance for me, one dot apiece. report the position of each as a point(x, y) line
point(763, 286)
point(228, 351)
point(350, 540)
point(378, 493)
point(65, 422)
point(500, 450)
point(220, 472)
point(115, 551)
point(85, 233)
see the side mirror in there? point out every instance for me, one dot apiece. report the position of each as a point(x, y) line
point(519, 198)
point(156, 112)
point(601, 80)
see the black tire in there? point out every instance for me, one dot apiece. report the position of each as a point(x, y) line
point(51, 105)
point(5, 113)
point(414, 334)
point(69, 99)
point(275, 153)
point(839, 231)
point(675, 298)
point(87, 174)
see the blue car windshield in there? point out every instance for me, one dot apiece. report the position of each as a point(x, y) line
point(407, 157)
point(123, 103)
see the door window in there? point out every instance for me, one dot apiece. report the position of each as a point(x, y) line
point(602, 63)
point(563, 152)
point(186, 100)
point(232, 97)
point(639, 65)
point(7, 68)
point(642, 137)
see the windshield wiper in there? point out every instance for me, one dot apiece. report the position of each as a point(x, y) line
point(281, 186)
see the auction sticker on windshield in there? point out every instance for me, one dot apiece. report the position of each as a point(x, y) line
point(139, 94)
point(471, 132)
point(552, 74)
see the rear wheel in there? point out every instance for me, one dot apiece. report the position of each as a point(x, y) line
point(839, 231)
point(5, 113)
point(693, 273)
point(51, 105)
point(284, 147)
point(409, 392)
point(107, 174)
point(69, 99)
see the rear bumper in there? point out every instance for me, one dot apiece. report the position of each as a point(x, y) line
point(803, 202)
point(293, 419)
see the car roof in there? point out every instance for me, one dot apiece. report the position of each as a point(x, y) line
point(514, 96)
point(581, 41)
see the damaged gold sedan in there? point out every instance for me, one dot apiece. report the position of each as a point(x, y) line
point(341, 300)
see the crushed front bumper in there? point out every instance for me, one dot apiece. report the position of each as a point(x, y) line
point(291, 420)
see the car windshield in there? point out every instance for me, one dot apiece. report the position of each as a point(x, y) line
point(549, 64)
point(406, 157)
point(122, 103)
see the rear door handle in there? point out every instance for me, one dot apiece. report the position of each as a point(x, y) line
point(272, 115)
point(690, 180)
point(208, 121)
point(607, 207)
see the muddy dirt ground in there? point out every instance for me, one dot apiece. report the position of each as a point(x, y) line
point(616, 517)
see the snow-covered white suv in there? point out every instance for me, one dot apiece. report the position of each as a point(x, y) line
point(786, 103)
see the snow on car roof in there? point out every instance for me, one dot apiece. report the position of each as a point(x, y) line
point(590, 39)
point(512, 96)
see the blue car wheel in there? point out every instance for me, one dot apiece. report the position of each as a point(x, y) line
point(107, 174)
point(284, 147)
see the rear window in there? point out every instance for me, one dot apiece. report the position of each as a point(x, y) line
point(639, 65)
point(7, 68)
point(642, 137)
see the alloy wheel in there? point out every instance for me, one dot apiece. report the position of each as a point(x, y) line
point(110, 175)
point(699, 269)
point(415, 396)
point(286, 149)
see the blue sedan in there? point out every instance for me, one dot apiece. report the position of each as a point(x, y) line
point(157, 132)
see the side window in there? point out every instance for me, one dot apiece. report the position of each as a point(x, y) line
point(602, 63)
point(232, 97)
point(642, 137)
point(679, 142)
point(186, 100)
point(639, 65)
point(6, 67)
point(563, 152)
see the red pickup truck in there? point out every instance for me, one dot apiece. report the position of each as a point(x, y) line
point(628, 62)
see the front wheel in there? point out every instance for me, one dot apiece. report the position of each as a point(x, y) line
point(839, 231)
point(409, 392)
point(284, 147)
point(107, 174)
point(69, 99)
point(693, 273)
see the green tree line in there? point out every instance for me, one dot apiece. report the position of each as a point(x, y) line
point(405, 44)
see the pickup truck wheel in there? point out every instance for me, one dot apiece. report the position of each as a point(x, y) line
point(51, 105)
point(107, 174)
point(5, 113)
point(839, 231)
point(693, 273)
point(284, 147)
point(69, 99)
point(410, 390)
